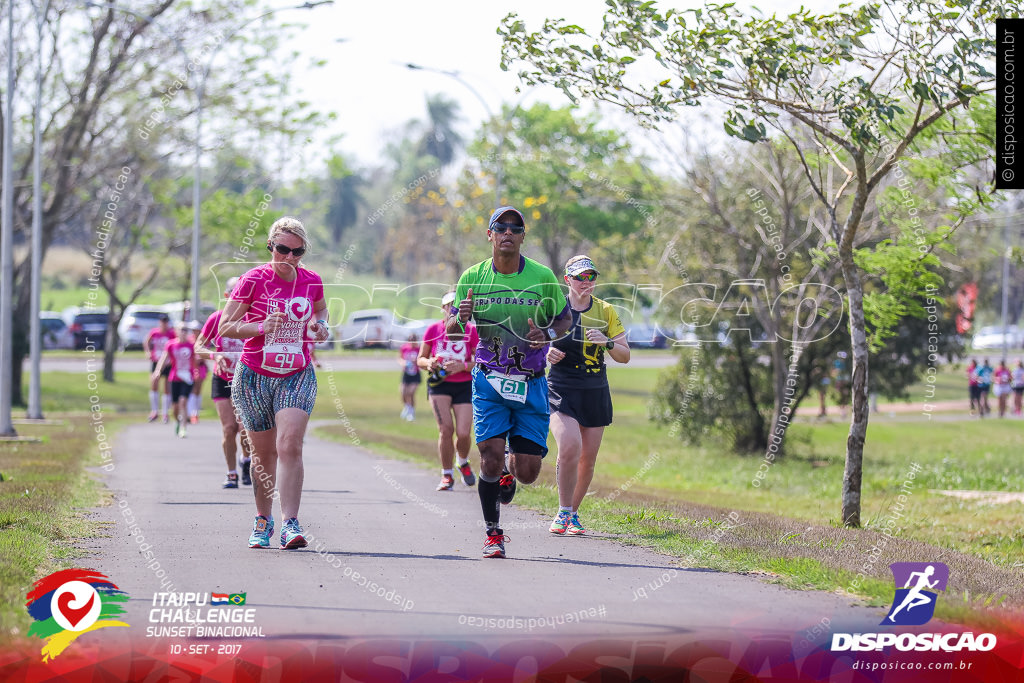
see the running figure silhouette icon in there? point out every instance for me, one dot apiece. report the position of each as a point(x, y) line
point(914, 603)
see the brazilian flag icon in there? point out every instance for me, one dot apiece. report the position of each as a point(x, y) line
point(237, 599)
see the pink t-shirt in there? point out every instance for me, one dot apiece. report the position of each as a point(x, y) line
point(409, 353)
point(285, 353)
point(183, 361)
point(443, 347)
point(158, 341)
point(230, 348)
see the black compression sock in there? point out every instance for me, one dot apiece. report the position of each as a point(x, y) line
point(489, 491)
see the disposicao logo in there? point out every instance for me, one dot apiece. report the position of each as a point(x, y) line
point(914, 605)
point(914, 602)
point(69, 603)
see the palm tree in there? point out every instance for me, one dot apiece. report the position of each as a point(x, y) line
point(440, 140)
point(345, 196)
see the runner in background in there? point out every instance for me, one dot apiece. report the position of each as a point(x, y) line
point(180, 355)
point(578, 393)
point(450, 392)
point(1017, 384)
point(985, 385)
point(1002, 379)
point(195, 400)
point(154, 344)
point(974, 388)
point(276, 308)
point(410, 376)
point(225, 353)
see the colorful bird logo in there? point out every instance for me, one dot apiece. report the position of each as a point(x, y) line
point(69, 603)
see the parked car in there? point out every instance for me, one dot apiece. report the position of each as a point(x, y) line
point(328, 343)
point(89, 326)
point(991, 337)
point(56, 333)
point(136, 323)
point(181, 310)
point(371, 327)
point(644, 336)
point(400, 333)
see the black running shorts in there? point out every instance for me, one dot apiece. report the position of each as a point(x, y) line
point(180, 390)
point(589, 407)
point(220, 389)
point(461, 392)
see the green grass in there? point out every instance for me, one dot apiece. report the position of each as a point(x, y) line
point(70, 392)
point(675, 502)
point(44, 491)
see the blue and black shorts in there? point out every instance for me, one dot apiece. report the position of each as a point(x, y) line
point(524, 424)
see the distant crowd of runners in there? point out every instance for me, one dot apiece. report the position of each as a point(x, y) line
point(512, 358)
point(1001, 382)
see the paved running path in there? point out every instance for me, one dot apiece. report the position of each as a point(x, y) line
point(382, 519)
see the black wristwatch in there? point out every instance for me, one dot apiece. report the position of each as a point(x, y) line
point(610, 345)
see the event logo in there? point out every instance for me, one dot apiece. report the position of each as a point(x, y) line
point(299, 309)
point(69, 603)
point(914, 602)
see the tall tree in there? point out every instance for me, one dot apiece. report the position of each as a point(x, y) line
point(344, 196)
point(116, 83)
point(864, 82)
point(440, 139)
point(577, 182)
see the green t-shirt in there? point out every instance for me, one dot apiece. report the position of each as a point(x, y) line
point(583, 366)
point(503, 304)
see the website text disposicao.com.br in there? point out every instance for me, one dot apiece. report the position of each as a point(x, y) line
point(912, 666)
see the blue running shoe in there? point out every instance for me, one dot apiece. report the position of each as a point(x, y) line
point(262, 530)
point(575, 528)
point(291, 535)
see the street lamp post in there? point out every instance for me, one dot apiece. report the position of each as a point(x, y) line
point(35, 410)
point(7, 241)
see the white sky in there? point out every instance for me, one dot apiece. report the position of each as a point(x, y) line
point(367, 85)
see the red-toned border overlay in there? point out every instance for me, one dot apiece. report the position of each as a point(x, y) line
point(699, 656)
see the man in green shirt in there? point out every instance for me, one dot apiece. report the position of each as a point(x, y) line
point(519, 308)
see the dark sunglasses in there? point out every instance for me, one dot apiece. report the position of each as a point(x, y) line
point(284, 251)
point(500, 228)
point(584, 277)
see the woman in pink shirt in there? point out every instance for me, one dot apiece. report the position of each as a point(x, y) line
point(225, 354)
point(181, 357)
point(276, 308)
point(450, 390)
point(1001, 381)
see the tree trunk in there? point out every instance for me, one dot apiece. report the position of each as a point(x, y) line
point(780, 370)
point(859, 391)
point(110, 343)
point(20, 332)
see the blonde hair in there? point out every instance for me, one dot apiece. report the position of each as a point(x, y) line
point(574, 259)
point(290, 226)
